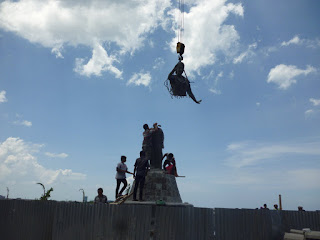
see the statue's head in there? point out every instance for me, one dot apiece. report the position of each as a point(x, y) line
point(145, 126)
point(179, 68)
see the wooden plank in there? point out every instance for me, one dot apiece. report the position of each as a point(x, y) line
point(293, 236)
point(312, 235)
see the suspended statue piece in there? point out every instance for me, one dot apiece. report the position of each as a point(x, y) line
point(179, 85)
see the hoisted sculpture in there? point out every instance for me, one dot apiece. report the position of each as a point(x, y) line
point(179, 85)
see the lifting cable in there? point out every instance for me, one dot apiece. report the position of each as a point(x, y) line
point(180, 45)
point(180, 20)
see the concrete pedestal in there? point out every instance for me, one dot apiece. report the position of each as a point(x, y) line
point(159, 186)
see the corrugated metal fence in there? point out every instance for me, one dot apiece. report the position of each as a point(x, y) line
point(24, 220)
point(249, 224)
point(50, 220)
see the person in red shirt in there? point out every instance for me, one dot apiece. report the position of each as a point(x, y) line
point(169, 165)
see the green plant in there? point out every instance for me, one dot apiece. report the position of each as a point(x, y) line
point(46, 195)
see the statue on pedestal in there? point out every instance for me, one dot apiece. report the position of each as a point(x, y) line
point(158, 184)
point(152, 144)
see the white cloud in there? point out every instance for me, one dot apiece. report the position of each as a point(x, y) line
point(294, 40)
point(231, 74)
point(310, 43)
point(214, 89)
point(56, 155)
point(158, 63)
point(54, 24)
point(247, 54)
point(236, 146)
point(315, 102)
point(123, 24)
point(140, 79)
point(57, 51)
point(309, 112)
point(99, 63)
point(19, 164)
point(307, 178)
point(205, 34)
point(277, 178)
point(251, 154)
point(284, 75)
point(220, 75)
point(314, 111)
point(258, 104)
point(23, 123)
point(3, 96)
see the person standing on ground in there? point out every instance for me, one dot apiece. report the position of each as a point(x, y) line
point(121, 169)
point(140, 171)
point(100, 198)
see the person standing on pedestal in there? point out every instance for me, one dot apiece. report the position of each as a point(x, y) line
point(140, 171)
point(121, 169)
point(169, 165)
point(147, 140)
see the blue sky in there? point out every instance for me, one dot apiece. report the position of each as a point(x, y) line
point(78, 79)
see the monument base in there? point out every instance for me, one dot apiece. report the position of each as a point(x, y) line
point(159, 186)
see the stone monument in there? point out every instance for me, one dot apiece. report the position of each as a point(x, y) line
point(158, 184)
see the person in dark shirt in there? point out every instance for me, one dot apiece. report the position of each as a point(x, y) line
point(147, 140)
point(140, 171)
